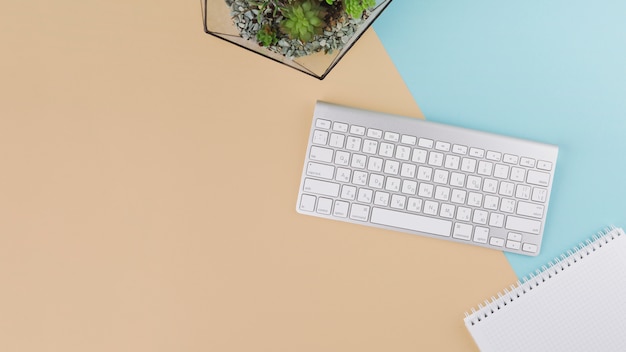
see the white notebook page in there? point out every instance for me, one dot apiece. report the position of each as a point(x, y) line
point(580, 308)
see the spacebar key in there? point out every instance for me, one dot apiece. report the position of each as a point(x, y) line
point(412, 222)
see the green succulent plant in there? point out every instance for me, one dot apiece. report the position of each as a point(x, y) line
point(303, 20)
point(355, 8)
point(266, 36)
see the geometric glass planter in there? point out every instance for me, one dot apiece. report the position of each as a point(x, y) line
point(248, 23)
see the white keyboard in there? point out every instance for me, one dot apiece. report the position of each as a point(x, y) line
point(426, 178)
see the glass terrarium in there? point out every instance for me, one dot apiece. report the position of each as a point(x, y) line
point(308, 35)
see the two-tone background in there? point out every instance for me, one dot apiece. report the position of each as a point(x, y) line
point(149, 173)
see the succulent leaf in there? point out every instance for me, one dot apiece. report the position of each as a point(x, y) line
point(303, 20)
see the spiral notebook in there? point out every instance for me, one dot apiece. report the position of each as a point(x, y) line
point(576, 303)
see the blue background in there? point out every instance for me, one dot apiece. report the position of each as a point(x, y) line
point(551, 71)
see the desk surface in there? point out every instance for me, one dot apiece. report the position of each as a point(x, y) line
point(140, 209)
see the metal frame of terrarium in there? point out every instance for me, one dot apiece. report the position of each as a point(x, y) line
point(317, 65)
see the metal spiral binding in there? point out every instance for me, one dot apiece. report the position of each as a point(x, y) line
point(534, 280)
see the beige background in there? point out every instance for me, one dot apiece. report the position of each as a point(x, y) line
point(147, 193)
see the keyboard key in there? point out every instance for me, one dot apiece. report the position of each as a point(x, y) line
point(393, 184)
point(484, 168)
point(530, 209)
point(468, 165)
point(544, 165)
point(360, 130)
point(539, 194)
point(397, 201)
point(510, 159)
point(408, 170)
point(358, 161)
point(386, 150)
point(522, 192)
point(528, 162)
point(353, 143)
point(320, 170)
point(320, 137)
point(375, 164)
point(462, 231)
point(442, 193)
point(518, 174)
point(403, 152)
point(392, 167)
point(343, 174)
point(376, 181)
point(336, 140)
point(348, 192)
point(513, 244)
point(495, 241)
point(340, 127)
point(341, 157)
point(529, 247)
point(480, 217)
point(452, 162)
point(506, 189)
point(381, 198)
point(431, 207)
point(412, 222)
point(419, 156)
point(495, 156)
point(359, 178)
point(463, 214)
point(538, 178)
point(459, 149)
point(307, 202)
point(341, 209)
point(324, 206)
point(410, 140)
point(442, 146)
point(491, 202)
point(501, 171)
point(496, 220)
point(481, 234)
point(507, 205)
point(424, 173)
point(425, 190)
point(365, 195)
point(391, 136)
point(374, 133)
point(321, 187)
point(477, 152)
point(524, 225)
point(359, 212)
point(474, 199)
point(473, 182)
point(514, 236)
point(425, 143)
point(441, 176)
point(409, 187)
point(458, 196)
point(414, 205)
point(457, 179)
point(370, 146)
point(447, 211)
point(490, 185)
point(435, 159)
point(325, 124)
point(321, 154)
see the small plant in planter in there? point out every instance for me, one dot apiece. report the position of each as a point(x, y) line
point(296, 28)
